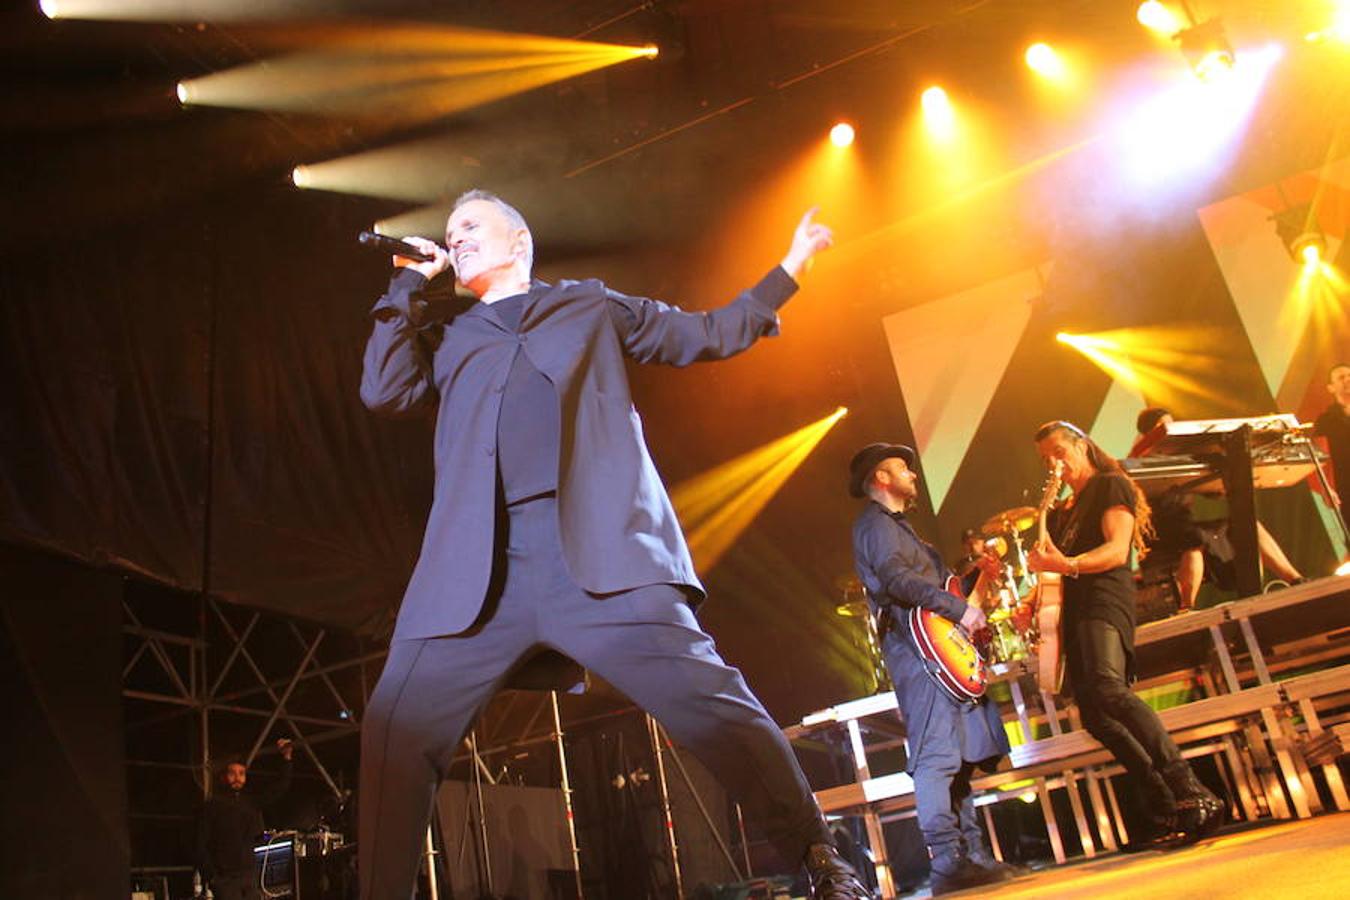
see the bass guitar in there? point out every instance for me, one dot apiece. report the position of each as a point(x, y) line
point(1048, 597)
point(952, 657)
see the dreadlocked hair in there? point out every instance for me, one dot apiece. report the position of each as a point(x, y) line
point(1105, 462)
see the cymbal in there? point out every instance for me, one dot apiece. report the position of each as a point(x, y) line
point(853, 609)
point(1019, 518)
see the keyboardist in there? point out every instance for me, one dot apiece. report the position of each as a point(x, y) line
point(1334, 424)
point(1199, 549)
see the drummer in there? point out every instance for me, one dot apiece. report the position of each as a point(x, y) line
point(967, 568)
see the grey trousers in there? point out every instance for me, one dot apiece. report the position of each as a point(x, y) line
point(645, 642)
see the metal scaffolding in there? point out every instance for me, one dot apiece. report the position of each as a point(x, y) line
point(200, 675)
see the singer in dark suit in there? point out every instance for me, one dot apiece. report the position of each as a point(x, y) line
point(550, 530)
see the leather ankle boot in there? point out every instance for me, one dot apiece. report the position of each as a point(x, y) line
point(1199, 812)
point(832, 878)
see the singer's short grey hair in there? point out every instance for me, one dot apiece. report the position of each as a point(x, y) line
point(512, 215)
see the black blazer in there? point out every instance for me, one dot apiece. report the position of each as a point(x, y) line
point(617, 524)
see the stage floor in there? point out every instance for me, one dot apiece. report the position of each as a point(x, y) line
point(1307, 859)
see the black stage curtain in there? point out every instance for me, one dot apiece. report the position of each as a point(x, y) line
point(62, 778)
point(275, 488)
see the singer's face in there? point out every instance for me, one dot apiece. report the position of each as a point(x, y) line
point(482, 244)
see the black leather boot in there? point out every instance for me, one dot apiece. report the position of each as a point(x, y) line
point(953, 870)
point(1199, 812)
point(1159, 831)
point(832, 878)
point(983, 859)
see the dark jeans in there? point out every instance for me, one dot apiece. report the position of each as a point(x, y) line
point(944, 806)
point(645, 642)
point(1126, 725)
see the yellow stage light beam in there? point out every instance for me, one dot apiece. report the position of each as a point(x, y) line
point(1170, 365)
point(842, 135)
point(1042, 59)
point(717, 506)
point(917, 220)
point(404, 74)
point(1316, 306)
point(183, 10)
point(758, 224)
point(415, 172)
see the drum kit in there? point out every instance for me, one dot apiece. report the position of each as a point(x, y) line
point(1010, 607)
point(1011, 616)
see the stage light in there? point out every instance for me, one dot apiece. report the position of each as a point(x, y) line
point(938, 114)
point(49, 9)
point(1185, 128)
point(842, 135)
point(184, 93)
point(651, 51)
point(1044, 61)
point(300, 177)
point(1158, 18)
point(1344, 568)
point(1299, 231)
point(1311, 253)
point(1206, 48)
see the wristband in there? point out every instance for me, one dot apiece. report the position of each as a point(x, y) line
point(1073, 567)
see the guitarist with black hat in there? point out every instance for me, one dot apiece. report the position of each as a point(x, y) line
point(948, 737)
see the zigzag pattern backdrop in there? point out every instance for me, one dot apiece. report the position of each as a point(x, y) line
point(952, 356)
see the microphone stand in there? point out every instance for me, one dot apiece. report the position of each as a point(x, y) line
point(1333, 497)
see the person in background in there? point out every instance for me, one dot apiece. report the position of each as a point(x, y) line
point(230, 822)
point(1179, 535)
point(1334, 423)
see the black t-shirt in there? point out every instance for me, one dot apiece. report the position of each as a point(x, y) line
point(529, 429)
point(1334, 425)
point(1108, 595)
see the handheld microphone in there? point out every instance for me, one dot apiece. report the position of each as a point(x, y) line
point(386, 244)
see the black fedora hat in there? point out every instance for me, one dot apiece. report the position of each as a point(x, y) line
point(868, 458)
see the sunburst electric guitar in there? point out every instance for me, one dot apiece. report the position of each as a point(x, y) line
point(1049, 599)
point(953, 658)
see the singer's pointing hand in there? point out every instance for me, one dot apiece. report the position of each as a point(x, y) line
point(809, 239)
point(432, 267)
